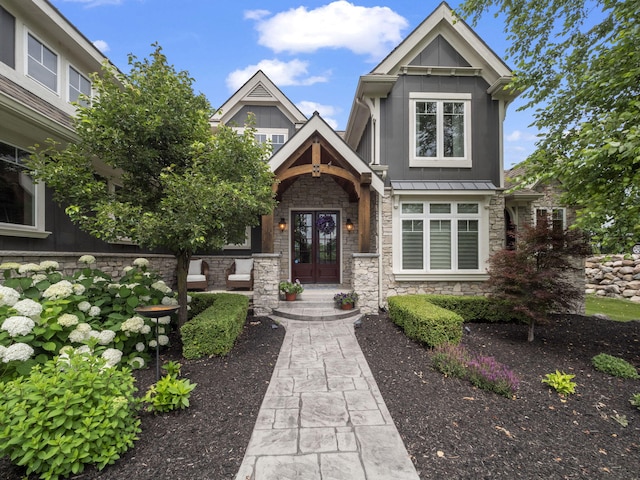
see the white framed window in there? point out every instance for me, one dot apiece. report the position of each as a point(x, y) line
point(21, 200)
point(440, 237)
point(556, 217)
point(240, 246)
point(440, 126)
point(78, 84)
point(276, 136)
point(42, 63)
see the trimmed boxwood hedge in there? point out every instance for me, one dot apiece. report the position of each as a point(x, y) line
point(214, 330)
point(424, 321)
point(200, 302)
point(474, 308)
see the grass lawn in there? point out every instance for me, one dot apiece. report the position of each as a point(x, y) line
point(615, 309)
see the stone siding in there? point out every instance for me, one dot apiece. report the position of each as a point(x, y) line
point(365, 281)
point(616, 276)
point(266, 268)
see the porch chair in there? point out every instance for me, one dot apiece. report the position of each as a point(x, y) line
point(240, 274)
point(198, 275)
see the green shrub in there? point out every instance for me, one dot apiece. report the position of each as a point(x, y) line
point(169, 393)
point(214, 331)
point(561, 382)
point(614, 366)
point(200, 302)
point(425, 321)
point(635, 400)
point(69, 412)
point(475, 308)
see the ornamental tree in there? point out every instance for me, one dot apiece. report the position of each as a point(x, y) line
point(578, 63)
point(177, 186)
point(533, 280)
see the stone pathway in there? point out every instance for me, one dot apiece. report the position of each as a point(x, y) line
point(322, 417)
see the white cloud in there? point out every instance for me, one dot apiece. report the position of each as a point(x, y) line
point(520, 136)
point(371, 31)
point(326, 111)
point(281, 73)
point(101, 45)
point(256, 14)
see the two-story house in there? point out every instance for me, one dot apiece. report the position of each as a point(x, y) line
point(408, 199)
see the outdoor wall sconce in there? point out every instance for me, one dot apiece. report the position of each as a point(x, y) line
point(349, 225)
point(282, 225)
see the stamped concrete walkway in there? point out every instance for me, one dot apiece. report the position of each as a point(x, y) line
point(322, 417)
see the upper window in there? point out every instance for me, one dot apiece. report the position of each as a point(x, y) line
point(440, 237)
point(17, 190)
point(78, 84)
point(277, 137)
point(440, 130)
point(7, 38)
point(42, 63)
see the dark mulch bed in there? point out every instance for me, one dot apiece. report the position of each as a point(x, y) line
point(451, 429)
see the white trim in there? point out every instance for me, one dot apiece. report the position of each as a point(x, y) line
point(426, 273)
point(59, 77)
point(440, 160)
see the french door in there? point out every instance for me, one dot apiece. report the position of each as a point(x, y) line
point(315, 246)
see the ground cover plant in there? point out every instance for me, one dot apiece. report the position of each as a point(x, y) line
point(618, 367)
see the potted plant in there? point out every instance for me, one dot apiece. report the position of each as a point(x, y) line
point(346, 300)
point(290, 289)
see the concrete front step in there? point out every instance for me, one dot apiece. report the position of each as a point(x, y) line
point(313, 305)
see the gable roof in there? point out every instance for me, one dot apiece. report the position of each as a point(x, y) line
point(317, 125)
point(258, 90)
point(477, 59)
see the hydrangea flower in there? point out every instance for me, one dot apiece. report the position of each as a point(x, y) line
point(49, 265)
point(60, 290)
point(68, 320)
point(29, 267)
point(77, 336)
point(112, 356)
point(140, 347)
point(163, 340)
point(38, 277)
point(133, 324)
point(18, 351)
point(8, 296)
point(83, 349)
point(78, 288)
point(9, 266)
point(105, 337)
point(18, 325)
point(169, 301)
point(161, 286)
point(84, 306)
point(127, 269)
point(94, 311)
point(145, 330)
point(153, 343)
point(137, 362)
point(141, 262)
point(84, 327)
point(87, 259)
point(28, 308)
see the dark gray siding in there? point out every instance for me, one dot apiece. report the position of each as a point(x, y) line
point(266, 117)
point(364, 147)
point(440, 53)
point(394, 129)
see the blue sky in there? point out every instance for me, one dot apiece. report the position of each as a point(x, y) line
point(314, 51)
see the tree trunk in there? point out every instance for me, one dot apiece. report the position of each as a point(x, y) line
point(182, 260)
point(532, 324)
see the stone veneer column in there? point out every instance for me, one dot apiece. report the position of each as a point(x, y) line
point(365, 281)
point(266, 275)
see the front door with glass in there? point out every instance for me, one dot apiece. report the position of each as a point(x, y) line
point(315, 246)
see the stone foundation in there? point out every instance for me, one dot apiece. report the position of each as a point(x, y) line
point(266, 276)
point(365, 281)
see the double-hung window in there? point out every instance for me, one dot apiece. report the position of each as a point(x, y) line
point(78, 84)
point(440, 237)
point(440, 130)
point(42, 63)
point(555, 217)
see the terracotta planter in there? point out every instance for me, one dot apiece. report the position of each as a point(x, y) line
point(347, 306)
point(290, 297)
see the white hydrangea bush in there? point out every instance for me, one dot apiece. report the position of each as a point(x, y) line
point(44, 313)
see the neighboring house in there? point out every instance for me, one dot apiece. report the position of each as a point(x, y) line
point(410, 198)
